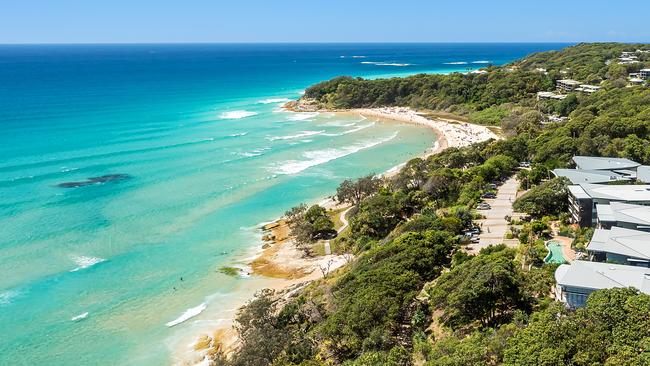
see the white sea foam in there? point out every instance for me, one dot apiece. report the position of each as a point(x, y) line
point(359, 56)
point(456, 63)
point(238, 134)
point(7, 297)
point(296, 136)
point(249, 154)
point(318, 157)
point(481, 62)
point(274, 100)
point(83, 261)
point(376, 63)
point(302, 116)
point(188, 314)
point(352, 130)
point(81, 316)
point(339, 124)
point(237, 114)
point(205, 362)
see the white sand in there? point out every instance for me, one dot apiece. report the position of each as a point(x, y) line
point(454, 133)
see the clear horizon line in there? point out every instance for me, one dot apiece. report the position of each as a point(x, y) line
point(304, 43)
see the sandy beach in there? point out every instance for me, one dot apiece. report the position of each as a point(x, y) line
point(451, 133)
point(279, 259)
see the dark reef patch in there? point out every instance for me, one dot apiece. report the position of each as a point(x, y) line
point(95, 180)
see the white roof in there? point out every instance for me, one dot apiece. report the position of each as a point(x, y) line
point(578, 192)
point(595, 275)
point(577, 176)
point(624, 212)
point(603, 163)
point(648, 70)
point(568, 81)
point(626, 242)
point(643, 173)
point(604, 213)
point(628, 192)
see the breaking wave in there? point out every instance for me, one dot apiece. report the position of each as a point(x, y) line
point(456, 63)
point(237, 114)
point(188, 314)
point(352, 130)
point(7, 297)
point(385, 63)
point(318, 157)
point(273, 100)
point(302, 116)
point(299, 135)
point(84, 262)
point(81, 316)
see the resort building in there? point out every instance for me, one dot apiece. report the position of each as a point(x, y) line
point(627, 60)
point(643, 173)
point(623, 215)
point(577, 280)
point(577, 176)
point(567, 84)
point(644, 73)
point(620, 245)
point(604, 163)
point(636, 81)
point(550, 95)
point(586, 88)
point(584, 197)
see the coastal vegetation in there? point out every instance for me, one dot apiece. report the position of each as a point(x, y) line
point(309, 224)
point(412, 296)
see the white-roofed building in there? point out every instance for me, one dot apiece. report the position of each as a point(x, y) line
point(586, 88)
point(584, 197)
point(567, 84)
point(644, 73)
point(577, 176)
point(603, 163)
point(577, 280)
point(550, 95)
point(620, 245)
point(643, 174)
point(625, 215)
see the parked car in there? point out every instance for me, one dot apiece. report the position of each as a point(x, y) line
point(483, 206)
point(489, 195)
point(491, 186)
point(474, 239)
point(524, 164)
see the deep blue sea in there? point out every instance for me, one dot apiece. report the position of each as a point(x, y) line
point(129, 174)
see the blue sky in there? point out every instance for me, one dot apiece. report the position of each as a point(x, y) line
point(127, 21)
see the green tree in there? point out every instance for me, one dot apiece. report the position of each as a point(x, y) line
point(353, 192)
point(548, 198)
point(485, 289)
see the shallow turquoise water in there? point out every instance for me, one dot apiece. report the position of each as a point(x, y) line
point(92, 274)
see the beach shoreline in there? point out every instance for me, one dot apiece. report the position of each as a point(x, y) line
point(278, 258)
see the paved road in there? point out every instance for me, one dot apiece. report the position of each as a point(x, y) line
point(494, 226)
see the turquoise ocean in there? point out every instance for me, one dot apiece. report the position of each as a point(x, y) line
point(129, 174)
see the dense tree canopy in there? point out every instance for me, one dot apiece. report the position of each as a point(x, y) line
point(411, 296)
point(548, 198)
